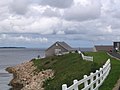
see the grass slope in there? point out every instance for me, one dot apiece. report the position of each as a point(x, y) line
point(111, 80)
point(71, 66)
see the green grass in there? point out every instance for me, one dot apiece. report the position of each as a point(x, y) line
point(111, 80)
point(71, 66)
point(67, 68)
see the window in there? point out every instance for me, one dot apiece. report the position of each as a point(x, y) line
point(57, 51)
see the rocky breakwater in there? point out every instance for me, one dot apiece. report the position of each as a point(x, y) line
point(25, 77)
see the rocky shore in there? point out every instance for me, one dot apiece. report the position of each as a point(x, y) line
point(26, 78)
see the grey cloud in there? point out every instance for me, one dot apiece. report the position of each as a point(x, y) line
point(111, 8)
point(58, 3)
point(116, 14)
point(78, 22)
point(75, 30)
point(22, 38)
point(4, 11)
point(82, 13)
point(51, 13)
point(19, 6)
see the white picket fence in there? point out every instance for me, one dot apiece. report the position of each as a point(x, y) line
point(93, 81)
point(87, 58)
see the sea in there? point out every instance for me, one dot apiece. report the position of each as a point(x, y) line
point(13, 56)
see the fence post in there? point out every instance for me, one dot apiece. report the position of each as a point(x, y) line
point(92, 58)
point(64, 87)
point(82, 56)
point(104, 70)
point(107, 70)
point(75, 81)
point(86, 82)
point(97, 80)
point(91, 80)
point(101, 78)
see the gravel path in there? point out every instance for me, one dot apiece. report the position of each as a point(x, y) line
point(114, 55)
point(117, 86)
point(117, 56)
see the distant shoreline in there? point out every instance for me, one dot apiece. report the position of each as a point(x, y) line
point(12, 47)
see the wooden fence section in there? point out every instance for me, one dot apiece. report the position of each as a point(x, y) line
point(87, 58)
point(93, 81)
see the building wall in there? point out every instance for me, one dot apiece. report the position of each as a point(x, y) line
point(94, 49)
point(51, 51)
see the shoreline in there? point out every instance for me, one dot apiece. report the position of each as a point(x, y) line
point(26, 78)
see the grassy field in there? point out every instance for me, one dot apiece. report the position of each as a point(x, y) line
point(114, 75)
point(71, 66)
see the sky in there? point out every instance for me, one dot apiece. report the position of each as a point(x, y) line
point(40, 23)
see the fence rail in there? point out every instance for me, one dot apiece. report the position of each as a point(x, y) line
point(93, 81)
point(87, 58)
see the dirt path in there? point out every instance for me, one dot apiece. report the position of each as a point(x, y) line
point(117, 56)
point(117, 86)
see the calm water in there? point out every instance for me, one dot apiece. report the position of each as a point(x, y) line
point(11, 57)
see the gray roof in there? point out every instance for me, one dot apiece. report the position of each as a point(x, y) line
point(86, 49)
point(65, 45)
point(104, 47)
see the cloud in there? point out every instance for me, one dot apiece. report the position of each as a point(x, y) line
point(79, 12)
point(60, 32)
point(59, 20)
point(21, 24)
point(19, 6)
point(4, 11)
point(51, 12)
point(43, 26)
point(21, 38)
point(58, 3)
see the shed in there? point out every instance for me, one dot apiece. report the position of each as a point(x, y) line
point(116, 45)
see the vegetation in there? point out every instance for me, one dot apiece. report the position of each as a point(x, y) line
point(71, 66)
point(114, 75)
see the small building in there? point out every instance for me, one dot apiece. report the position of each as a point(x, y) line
point(103, 48)
point(116, 45)
point(58, 48)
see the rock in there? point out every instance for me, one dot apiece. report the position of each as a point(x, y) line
point(24, 77)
